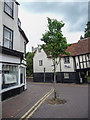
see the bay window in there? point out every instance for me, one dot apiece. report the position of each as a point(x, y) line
point(9, 76)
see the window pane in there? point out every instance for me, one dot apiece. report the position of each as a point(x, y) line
point(8, 10)
point(6, 43)
point(66, 60)
point(7, 34)
point(9, 77)
point(7, 38)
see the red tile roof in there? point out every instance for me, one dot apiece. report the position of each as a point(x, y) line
point(81, 47)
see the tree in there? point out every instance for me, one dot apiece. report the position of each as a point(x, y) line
point(55, 44)
point(87, 30)
point(81, 37)
point(29, 60)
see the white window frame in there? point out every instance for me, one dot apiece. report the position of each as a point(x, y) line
point(11, 8)
point(66, 60)
point(40, 62)
point(66, 75)
point(5, 39)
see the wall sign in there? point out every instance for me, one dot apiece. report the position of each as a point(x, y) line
point(67, 66)
point(10, 79)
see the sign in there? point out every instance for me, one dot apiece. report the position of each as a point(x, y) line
point(67, 66)
point(9, 79)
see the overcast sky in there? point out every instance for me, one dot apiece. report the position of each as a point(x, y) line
point(33, 15)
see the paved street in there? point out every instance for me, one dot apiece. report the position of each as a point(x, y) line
point(20, 105)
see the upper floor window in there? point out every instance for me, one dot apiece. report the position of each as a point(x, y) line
point(7, 38)
point(40, 63)
point(8, 8)
point(24, 49)
point(66, 60)
point(19, 22)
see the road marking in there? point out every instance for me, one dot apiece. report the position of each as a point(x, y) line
point(34, 105)
point(39, 105)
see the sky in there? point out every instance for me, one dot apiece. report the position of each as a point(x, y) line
point(33, 15)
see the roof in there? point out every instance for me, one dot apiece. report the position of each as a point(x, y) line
point(23, 34)
point(17, 2)
point(81, 47)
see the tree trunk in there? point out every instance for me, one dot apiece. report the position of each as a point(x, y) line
point(55, 95)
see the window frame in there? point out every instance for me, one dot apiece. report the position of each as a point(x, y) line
point(66, 61)
point(11, 9)
point(40, 62)
point(25, 49)
point(8, 29)
point(66, 76)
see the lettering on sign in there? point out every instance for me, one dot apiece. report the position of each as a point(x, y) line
point(67, 66)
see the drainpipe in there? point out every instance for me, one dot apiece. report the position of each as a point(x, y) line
point(44, 74)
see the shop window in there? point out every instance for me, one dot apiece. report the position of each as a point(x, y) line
point(21, 78)
point(9, 76)
point(22, 75)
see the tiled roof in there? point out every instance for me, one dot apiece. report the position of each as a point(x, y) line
point(81, 47)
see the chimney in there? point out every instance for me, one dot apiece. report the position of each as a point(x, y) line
point(32, 49)
point(89, 11)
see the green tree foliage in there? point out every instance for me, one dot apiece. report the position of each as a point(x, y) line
point(87, 30)
point(55, 44)
point(29, 60)
point(81, 37)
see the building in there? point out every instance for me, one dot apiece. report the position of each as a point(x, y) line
point(71, 69)
point(12, 50)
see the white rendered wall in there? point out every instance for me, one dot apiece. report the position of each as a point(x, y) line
point(9, 59)
point(1, 28)
point(18, 41)
point(47, 63)
point(70, 66)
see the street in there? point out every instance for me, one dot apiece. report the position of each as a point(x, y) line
point(32, 102)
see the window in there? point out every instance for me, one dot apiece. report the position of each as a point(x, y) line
point(8, 38)
point(8, 7)
point(9, 76)
point(24, 49)
point(66, 60)
point(40, 63)
point(22, 75)
point(19, 23)
point(66, 75)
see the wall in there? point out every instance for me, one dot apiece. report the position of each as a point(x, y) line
point(82, 61)
point(47, 63)
point(9, 59)
point(18, 41)
point(70, 66)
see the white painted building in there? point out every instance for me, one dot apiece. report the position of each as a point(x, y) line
point(72, 68)
point(12, 50)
